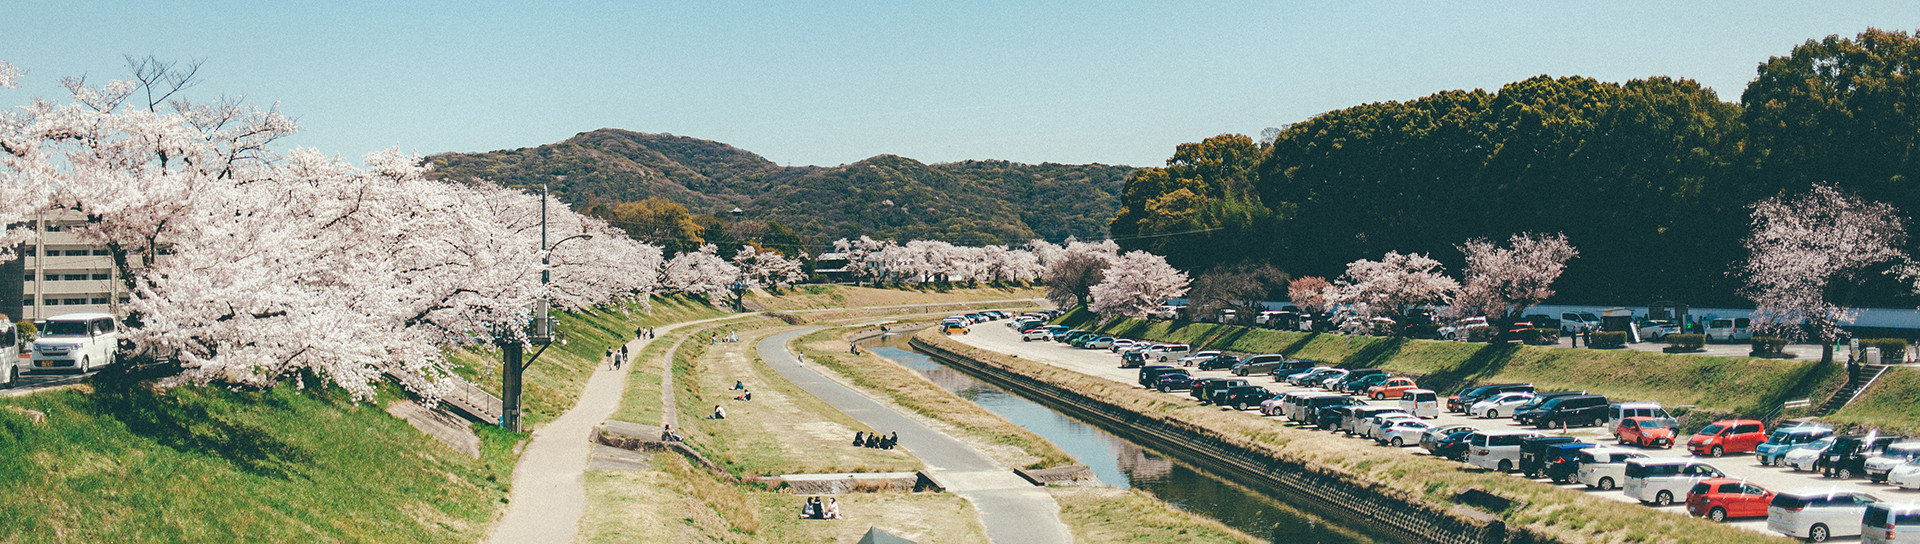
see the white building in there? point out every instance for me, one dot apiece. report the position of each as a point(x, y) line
point(64, 275)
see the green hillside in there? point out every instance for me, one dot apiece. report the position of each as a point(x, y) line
point(887, 196)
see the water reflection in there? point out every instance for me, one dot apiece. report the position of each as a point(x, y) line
point(1123, 464)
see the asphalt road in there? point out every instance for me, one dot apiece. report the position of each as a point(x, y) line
point(1103, 363)
point(30, 383)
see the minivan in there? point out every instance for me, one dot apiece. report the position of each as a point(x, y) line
point(1769, 452)
point(1465, 399)
point(1168, 352)
point(1496, 450)
point(1577, 410)
point(9, 357)
point(1525, 413)
point(1736, 329)
point(1622, 410)
point(78, 342)
point(1887, 522)
point(1421, 402)
point(1728, 436)
point(1818, 513)
point(1660, 481)
point(1878, 466)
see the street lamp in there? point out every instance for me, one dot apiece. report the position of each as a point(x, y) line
point(540, 329)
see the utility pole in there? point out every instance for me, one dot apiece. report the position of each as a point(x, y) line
point(513, 362)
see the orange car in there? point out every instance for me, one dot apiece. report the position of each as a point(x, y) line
point(1645, 431)
point(1391, 389)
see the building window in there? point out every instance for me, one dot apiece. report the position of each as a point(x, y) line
point(100, 251)
point(99, 300)
point(52, 302)
point(76, 252)
point(29, 276)
point(26, 301)
point(73, 277)
point(101, 276)
point(73, 301)
point(51, 227)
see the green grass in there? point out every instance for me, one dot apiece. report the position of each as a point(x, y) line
point(206, 464)
point(1735, 385)
point(1100, 515)
point(1889, 405)
point(554, 381)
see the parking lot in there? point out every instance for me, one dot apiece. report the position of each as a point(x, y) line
point(1103, 363)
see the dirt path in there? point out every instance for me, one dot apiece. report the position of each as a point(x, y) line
point(547, 497)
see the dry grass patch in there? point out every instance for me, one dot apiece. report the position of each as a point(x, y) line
point(1099, 515)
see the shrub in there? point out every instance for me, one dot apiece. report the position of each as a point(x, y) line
point(1607, 340)
point(28, 331)
point(1892, 350)
point(1543, 336)
point(1687, 341)
point(1768, 345)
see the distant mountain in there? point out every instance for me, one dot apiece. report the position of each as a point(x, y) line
point(887, 196)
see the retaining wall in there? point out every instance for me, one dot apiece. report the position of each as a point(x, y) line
point(1334, 493)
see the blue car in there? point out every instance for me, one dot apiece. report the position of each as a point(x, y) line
point(1788, 439)
point(1174, 380)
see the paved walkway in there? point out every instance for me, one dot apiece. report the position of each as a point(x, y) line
point(548, 494)
point(1013, 511)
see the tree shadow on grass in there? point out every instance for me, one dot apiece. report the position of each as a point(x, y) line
point(1486, 362)
point(1299, 343)
point(1376, 352)
point(199, 424)
point(1806, 383)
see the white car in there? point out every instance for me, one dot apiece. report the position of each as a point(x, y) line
point(1198, 356)
point(1496, 450)
point(1802, 458)
point(1881, 464)
point(1905, 476)
point(1167, 352)
point(1103, 342)
point(1036, 334)
point(1503, 404)
point(1374, 426)
point(1603, 468)
point(1818, 513)
point(1120, 344)
point(1421, 402)
point(77, 342)
point(1403, 432)
point(1887, 522)
point(1660, 481)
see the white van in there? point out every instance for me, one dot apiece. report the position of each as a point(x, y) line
point(1496, 450)
point(1730, 329)
point(1421, 402)
point(1167, 352)
point(1887, 522)
point(77, 342)
point(1621, 410)
point(1818, 513)
point(9, 356)
point(1660, 481)
point(1603, 468)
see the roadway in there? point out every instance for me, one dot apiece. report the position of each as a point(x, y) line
point(995, 336)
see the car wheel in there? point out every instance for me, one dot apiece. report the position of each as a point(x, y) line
point(1717, 514)
point(1163, 389)
point(86, 364)
point(1716, 451)
point(1242, 406)
point(1493, 414)
point(13, 377)
point(1506, 466)
point(1026, 339)
point(1819, 533)
point(1606, 484)
point(1398, 443)
point(1844, 474)
point(1377, 396)
point(1663, 498)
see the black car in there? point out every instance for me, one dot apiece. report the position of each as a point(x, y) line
point(1360, 386)
point(1523, 414)
point(1847, 457)
point(1290, 367)
point(1151, 373)
point(1356, 375)
point(1329, 417)
point(1132, 359)
point(1217, 362)
point(1571, 411)
point(1453, 445)
point(1174, 380)
point(1533, 453)
point(1243, 397)
point(1465, 399)
point(1314, 407)
point(1203, 389)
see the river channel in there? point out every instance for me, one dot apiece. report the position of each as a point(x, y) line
point(1123, 464)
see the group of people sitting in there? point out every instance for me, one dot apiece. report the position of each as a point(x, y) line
point(814, 509)
point(742, 388)
point(876, 440)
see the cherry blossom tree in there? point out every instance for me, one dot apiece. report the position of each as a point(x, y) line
point(1503, 282)
point(863, 257)
point(1808, 253)
point(1074, 271)
point(701, 273)
point(1309, 293)
point(1392, 286)
point(767, 268)
point(1136, 283)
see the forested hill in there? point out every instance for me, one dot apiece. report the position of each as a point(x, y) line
point(970, 202)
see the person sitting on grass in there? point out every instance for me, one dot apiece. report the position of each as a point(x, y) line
point(739, 385)
point(810, 509)
point(667, 434)
point(833, 508)
point(857, 438)
point(748, 395)
point(718, 413)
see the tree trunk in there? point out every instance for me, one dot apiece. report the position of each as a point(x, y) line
point(1826, 353)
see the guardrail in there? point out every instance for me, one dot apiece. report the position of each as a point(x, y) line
point(465, 397)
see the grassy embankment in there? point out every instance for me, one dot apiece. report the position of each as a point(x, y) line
point(1888, 406)
point(117, 462)
point(1729, 385)
point(782, 430)
point(553, 383)
point(1566, 514)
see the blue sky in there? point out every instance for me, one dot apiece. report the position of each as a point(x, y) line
point(830, 83)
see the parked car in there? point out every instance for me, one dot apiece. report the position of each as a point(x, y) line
point(1737, 329)
point(1533, 453)
point(1132, 359)
point(1784, 440)
point(1563, 461)
point(1358, 386)
point(1887, 522)
point(1847, 457)
point(1174, 380)
point(1403, 432)
point(1260, 364)
point(1037, 333)
point(1504, 404)
point(1372, 427)
point(1421, 402)
point(1292, 367)
point(1315, 378)
point(1524, 413)
point(1818, 513)
point(1217, 362)
point(1542, 321)
point(1392, 388)
point(1728, 436)
point(1645, 432)
point(1655, 329)
point(1807, 456)
point(1462, 401)
point(1605, 468)
point(1195, 357)
point(1571, 411)
point(1242, 397)
point(1448, 441)
point(1878, 467)
point(1103, 342)
point(1720, 498)
point(1150, 373)
point(1457, 330)
point(1357, 416)
point(1356, 375)
point(1314, 410)
point(1621, 410)
point(1496, 450)
point(1288, 405)
point(1333, 417)
point(1660, 481)
point(1204, 388)
point(1168, 352)
point(1579, 322)
point(1120, 344)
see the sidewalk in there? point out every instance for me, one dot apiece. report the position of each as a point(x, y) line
point(1013, 511)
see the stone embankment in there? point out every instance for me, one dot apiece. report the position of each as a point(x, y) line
point(1338, 494)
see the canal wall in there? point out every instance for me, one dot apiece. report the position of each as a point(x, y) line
point(1336, 493)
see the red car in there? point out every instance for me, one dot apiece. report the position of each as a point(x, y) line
point(1722, 498)
point(1646, 432)
point(1728, 436)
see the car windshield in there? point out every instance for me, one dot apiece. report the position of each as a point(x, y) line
point(64, 328)
point(1652, 424)
point(1711, 429)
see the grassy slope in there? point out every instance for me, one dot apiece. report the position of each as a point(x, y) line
point(204, 464)
point(554, 381)
point(1741, 385)
point(1888, 405)
point(813, 297)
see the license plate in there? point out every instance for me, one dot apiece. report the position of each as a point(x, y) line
point(43, 363)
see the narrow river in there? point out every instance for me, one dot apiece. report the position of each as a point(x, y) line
point(1120, 463)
